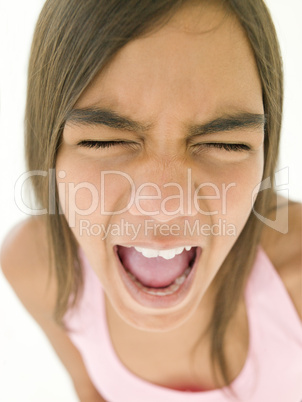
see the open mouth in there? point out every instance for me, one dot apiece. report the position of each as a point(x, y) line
point(158, 272)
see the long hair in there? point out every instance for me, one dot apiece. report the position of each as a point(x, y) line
point(73, 41)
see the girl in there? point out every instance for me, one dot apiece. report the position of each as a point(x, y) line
point(157, 264)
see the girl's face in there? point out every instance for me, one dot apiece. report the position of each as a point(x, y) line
point(174, 98)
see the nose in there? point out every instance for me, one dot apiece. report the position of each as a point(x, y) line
point(165, 194)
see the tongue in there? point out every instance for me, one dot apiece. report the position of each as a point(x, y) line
point(154, 272)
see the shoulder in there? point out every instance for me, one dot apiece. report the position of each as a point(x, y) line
point(25, 264)
point(283, 246)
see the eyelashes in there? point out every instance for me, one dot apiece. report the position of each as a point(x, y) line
point(104, 144)
point(133, 145)
point(227, 147)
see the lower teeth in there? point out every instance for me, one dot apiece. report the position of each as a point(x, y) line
point(169, 290)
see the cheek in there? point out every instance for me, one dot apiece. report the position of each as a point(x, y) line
point(241, 184)
point(237, 202)
point(229, 186)
point(86, 188)
point(77, 187)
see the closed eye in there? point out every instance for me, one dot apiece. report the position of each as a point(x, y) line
point(224, 146)
point(106, 144)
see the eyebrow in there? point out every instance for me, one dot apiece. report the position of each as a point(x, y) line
point(230, 122)
point(104, 116)
point(107, 117)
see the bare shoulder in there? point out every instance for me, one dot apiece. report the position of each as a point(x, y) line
point(24, 262)
point(285, 249)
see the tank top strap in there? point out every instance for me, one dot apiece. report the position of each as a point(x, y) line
point(265, 287)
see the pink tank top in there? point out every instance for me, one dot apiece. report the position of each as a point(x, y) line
point(272, 371)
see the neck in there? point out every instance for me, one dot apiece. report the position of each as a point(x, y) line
point(180, 340)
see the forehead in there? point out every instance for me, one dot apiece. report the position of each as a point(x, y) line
point(199, 63)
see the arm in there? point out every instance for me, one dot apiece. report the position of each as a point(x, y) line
point(72, 360)
point(27, 274)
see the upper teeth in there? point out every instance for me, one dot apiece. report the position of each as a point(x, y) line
point(167, 254)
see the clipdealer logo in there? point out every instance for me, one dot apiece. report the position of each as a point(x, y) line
point(204, 192)
point(151, 227)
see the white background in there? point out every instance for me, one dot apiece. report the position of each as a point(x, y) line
point(29, 369)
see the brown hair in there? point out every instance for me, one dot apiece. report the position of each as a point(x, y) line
point(73, 41)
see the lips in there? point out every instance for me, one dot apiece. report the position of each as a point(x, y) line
point(155, 272)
